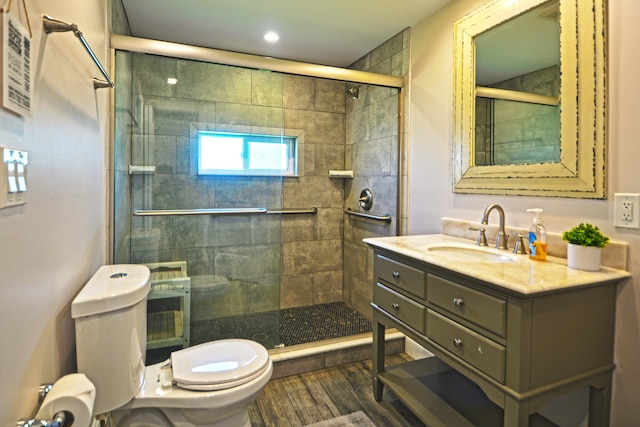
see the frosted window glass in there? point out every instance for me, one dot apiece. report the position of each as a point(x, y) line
point(221, 153)
point(266, 155)
point(218, 152)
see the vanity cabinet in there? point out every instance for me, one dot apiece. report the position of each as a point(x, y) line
point(500, 353)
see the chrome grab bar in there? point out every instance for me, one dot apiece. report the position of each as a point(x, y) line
point(385, 218)
point(222, 211)
point(55, 26)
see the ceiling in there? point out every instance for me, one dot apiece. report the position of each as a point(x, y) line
point(328, 32)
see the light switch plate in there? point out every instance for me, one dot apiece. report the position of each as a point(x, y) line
point(13, 177)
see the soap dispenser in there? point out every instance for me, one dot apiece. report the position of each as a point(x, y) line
point(537, 237)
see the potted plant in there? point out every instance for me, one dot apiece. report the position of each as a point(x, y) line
point(584, 246)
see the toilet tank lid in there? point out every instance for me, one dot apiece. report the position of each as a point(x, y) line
point(111, 288)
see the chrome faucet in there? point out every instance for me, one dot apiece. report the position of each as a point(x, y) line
point(502, 238)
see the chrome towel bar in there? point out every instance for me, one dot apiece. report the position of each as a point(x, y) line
point(313, 211)
point(55, 26)
point(385, 218)
point(217, 211)
point(223, 211)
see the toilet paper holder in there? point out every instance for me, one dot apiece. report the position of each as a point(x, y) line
point(60, 419)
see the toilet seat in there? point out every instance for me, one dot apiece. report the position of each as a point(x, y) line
point(218, 365)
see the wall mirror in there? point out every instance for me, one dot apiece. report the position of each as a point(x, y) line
point(529, 99)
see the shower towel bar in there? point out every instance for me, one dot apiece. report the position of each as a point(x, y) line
point(385, 218)
point(53, 25)
point(313, 211)
point(222, 211)
point(217, 211)
point(513, 95)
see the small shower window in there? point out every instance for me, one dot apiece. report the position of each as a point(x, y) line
point(223, 153)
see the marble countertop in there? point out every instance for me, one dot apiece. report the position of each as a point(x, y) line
point(519, 274)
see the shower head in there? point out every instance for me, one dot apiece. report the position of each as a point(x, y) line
point(354, 91)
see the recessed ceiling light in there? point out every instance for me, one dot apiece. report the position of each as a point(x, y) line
point(271, 37)
point(172, 80)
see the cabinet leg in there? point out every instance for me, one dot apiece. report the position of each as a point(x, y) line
point(600, 405)
point(377, 360)
point(516, 413)
point(378, 388)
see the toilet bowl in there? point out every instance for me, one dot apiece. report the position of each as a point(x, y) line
point(211, 384)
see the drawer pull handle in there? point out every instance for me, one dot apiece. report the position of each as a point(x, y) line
point(396, 274)
point(457, 342)
point(395, 305)
point(458, 302)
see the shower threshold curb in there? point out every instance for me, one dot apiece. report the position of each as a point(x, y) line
point(302, 358)
point(323, 347)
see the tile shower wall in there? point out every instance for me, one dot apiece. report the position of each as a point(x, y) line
point(522, 132)
point(237, 265)
point(312, 245)
point(372, 147)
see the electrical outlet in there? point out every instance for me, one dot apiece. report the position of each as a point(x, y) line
point(625, 210)
point(626, 214)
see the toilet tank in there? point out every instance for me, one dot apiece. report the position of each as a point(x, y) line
point(111, 332)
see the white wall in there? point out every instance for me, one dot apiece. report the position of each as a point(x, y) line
point(430, 156)
point(54, 243)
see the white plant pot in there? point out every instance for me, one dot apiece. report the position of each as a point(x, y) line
point(583, 257)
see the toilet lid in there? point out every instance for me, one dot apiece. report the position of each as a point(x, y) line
point(219, 364)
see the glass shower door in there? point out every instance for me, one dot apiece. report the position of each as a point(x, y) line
point(212, 241)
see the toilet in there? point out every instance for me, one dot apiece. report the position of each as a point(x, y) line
point(211, 384)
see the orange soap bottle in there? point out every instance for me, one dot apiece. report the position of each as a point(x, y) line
point(537, 237)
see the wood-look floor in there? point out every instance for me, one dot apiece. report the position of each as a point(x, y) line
point(315, 396)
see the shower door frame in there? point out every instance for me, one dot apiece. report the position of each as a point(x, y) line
point(215, 56)
point(139, 45)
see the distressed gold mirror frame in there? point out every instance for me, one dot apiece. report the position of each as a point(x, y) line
point(581, 170)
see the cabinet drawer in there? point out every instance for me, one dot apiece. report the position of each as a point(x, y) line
point(473, 348)
point(484, 310)
point(399, 306)
point(401, 275)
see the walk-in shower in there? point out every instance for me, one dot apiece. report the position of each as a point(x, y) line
point(238, 248)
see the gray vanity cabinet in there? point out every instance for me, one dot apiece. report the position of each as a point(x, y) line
point(500, 354)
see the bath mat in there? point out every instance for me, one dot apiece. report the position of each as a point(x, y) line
point(355, 419)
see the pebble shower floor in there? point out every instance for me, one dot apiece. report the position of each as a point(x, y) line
point(297, 325)
point(290, 326)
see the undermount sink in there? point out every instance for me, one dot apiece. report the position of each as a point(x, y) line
point(470, 253)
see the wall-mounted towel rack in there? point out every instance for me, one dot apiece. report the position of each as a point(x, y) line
point(55, 26)
point(217, 211)
point(312, 211)
point(222, 211)
point(385, 218)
